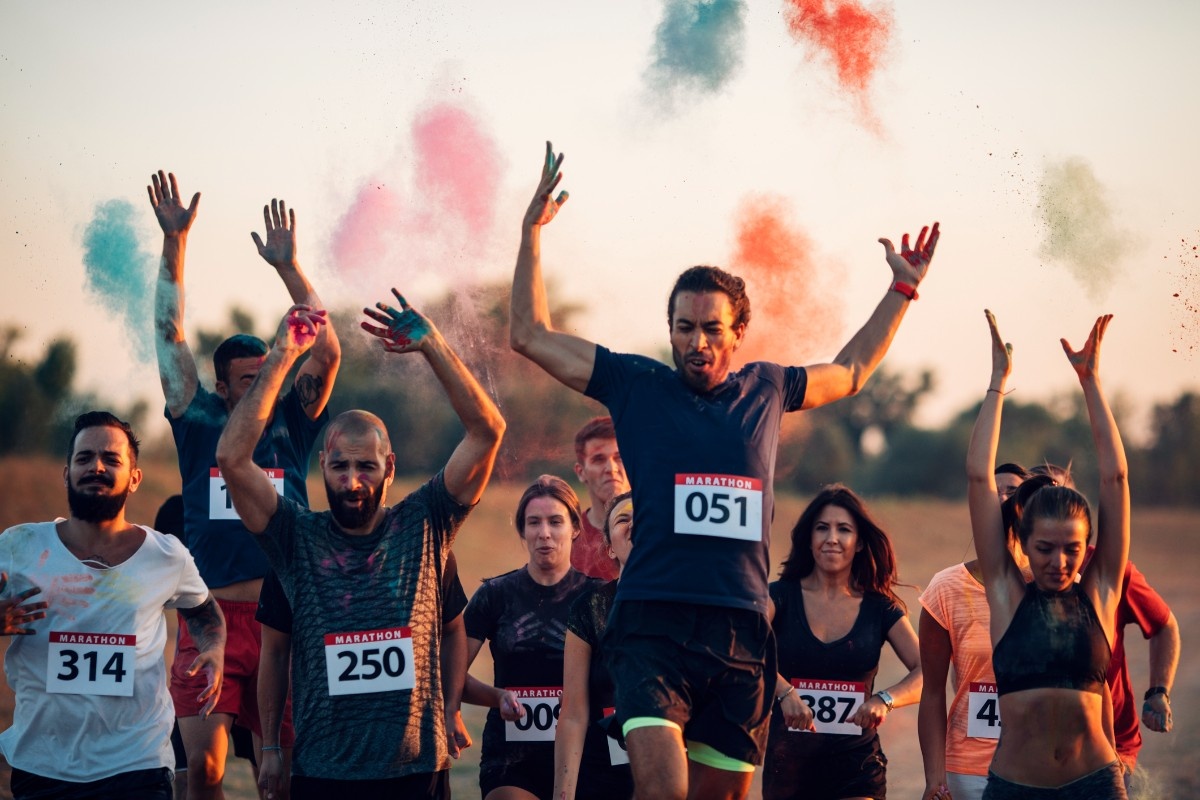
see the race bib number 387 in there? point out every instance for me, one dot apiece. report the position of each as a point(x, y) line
point(369, 661)
point(540, 720)
point(91, 663)
point(719, 505)
point(983, 711)
point(833, 704)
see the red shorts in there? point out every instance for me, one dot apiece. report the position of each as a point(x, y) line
point(239, 692)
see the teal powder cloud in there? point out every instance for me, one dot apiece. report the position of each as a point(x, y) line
point(120, 274)
point(697, 46)
point(1080, 233)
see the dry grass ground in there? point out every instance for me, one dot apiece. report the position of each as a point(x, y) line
point(928, 536)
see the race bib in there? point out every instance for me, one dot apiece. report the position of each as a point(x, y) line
point(219, 504)
point(983, 711)
point(833, 704)
point(617, 754)
point(719, 505)
point(369, 661)
point(91, 663)
point(542, 704)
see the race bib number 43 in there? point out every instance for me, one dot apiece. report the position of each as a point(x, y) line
point(833, 704)
point(219, 504)
point(369, 661)
point(540, 721)
point(983, 711)
point(719, 505)
point(91, 663)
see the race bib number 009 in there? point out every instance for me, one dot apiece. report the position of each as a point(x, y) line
point(369, 661)
point(983, 711)
point(617, 754)
point(719, 505)
point(833, 704)
point(91, 663)
point(540, 721)
point(219, 504)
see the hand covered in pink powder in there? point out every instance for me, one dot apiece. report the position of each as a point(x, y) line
point(298, 328)
point(544, 205)
point(911, 263)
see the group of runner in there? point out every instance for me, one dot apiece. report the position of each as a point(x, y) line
point(661, 683)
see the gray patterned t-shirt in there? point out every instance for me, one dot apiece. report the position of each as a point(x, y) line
point(368, 613)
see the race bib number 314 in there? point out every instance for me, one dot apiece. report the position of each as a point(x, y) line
point(983, 711)
point(728, 506)
point(369, 661)
point(540, 720)
point(91, 663)
point(833, 704)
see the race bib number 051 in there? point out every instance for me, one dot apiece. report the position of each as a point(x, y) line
point(719, 505)
point(219, 504)
point(617, 754)
point(983, 711)
point(833, 704)
point(369, 661)
point(91, 663)
point(542, 705)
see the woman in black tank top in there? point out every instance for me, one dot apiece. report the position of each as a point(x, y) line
point(1051, 638)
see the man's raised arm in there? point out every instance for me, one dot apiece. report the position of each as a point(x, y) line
point(176, 364)
point(567, 358)
point(314, 382)
point(470, 466)
point(862, 354)
point(250, 489)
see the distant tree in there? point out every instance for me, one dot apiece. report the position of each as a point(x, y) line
point(1172, 462)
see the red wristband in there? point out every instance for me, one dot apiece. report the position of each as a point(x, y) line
point(905, 289)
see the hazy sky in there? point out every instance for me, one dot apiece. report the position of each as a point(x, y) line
point(1054, 142)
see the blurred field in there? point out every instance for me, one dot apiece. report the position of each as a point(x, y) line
point(928, 536)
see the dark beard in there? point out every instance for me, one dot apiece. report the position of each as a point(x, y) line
point(95, 507)
point(353, 518)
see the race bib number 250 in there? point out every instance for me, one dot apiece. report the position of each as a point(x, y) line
point(727, 506)
point(369, 661)
point(91, 663)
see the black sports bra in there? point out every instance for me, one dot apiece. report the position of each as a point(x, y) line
point(1053, 642)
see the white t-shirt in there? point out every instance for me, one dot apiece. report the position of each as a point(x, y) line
point(90, 684)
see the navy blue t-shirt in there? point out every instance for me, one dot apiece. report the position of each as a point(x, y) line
point(702, 469)
point(225, 552)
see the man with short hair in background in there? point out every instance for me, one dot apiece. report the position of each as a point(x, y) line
point(599, 467)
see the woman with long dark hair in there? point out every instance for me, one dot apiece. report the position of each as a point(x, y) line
point(834, 607)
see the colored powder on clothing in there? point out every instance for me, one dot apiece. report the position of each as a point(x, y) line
point(458, 166)
point(361, 240)
point(792, 317)
point(119, 273)
point(1080, 232)
point(845, 32)
point(698, 45)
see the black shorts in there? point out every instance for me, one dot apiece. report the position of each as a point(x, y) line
point(858, 771)
point(177, 746)
point(534, 775)
point(1106, 783)
point(243, 743)
point(141, 784)
point(708, 669)
point(422, 786)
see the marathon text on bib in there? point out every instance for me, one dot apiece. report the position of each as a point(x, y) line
point(728, 506)
point(617, 754)
point(540, 721)
point(370, 661)
point(833, 704)
point(219, 504)
point(983, 711)
point(91, 663)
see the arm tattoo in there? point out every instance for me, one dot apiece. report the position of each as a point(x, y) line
point(309, 389)
point(206, 624)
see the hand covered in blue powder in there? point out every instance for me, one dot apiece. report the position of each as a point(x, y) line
point(405, 330)
point(280, 248)
point(173, 218)
point(544, 205)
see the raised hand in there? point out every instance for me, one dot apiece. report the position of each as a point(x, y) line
point(1001, 350)
point(544, 205)
point(280, 248)
point(404, 331)
point(173, 218)
point(1086, 361)
point(298, 328)
point(911, 263)
point(16, 614)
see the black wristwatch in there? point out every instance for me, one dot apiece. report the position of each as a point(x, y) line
point(1153, 690)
